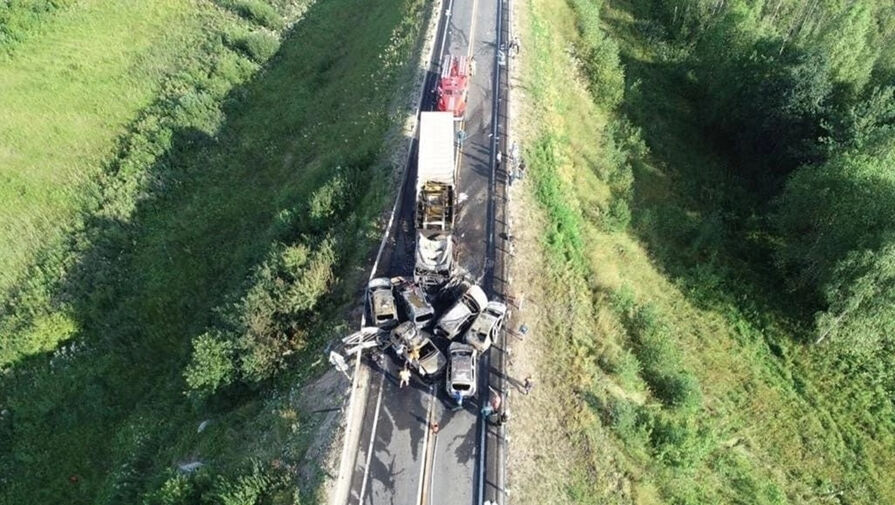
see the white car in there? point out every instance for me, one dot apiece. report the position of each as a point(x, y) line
point(486, 326)
point(452, 322)
point(381, 301)
point(462, 371)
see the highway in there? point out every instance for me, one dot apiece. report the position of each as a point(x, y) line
point(398, 460)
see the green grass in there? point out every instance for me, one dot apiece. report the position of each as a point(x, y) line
point(680, 365)
point(218, 172)
point(68, 94)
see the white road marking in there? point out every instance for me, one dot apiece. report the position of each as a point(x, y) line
point(363, 486)
point(424, 452)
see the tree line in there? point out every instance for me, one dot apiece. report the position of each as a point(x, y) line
point(802, 93)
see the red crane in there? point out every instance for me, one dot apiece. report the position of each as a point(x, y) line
point(452, 85)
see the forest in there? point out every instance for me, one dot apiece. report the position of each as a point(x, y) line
point(801, 93)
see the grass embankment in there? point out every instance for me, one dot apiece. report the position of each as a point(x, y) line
point(240, 197)
point(76, 86)
point(669, 362)
point(69, 91)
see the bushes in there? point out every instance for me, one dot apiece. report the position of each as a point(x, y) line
point(599, 56)
point(269, 323)
point(329, 200)
point(246, 489)
point(661, 363)
point(212, 365)
point(19, 18)
point(259, 46)
point(256, 11)
point(677, 440)
point(250, 486)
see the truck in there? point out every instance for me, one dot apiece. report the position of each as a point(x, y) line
point(452, 84)
point(434, 213)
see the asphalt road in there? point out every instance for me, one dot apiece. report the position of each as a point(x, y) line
point(398, 459)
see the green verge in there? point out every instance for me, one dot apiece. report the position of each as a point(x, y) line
point(681, 380)
point(236, 183)
point(71, 87)
point(88, 100)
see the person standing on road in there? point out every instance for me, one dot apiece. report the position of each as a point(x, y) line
point(404, 374)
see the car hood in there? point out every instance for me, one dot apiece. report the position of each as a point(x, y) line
point(434, 253)
point(433, 363)
point(453, 318)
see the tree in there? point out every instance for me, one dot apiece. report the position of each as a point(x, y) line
point(861, 301)
point(211, 366)
point(828, 211)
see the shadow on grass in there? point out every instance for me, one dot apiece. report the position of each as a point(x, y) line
point(100, 419)
point(703, 225)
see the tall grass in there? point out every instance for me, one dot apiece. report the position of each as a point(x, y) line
point(70, 96)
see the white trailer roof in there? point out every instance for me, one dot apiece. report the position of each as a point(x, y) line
point(436, 148)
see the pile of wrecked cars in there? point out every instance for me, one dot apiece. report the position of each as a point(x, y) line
point(435, 342)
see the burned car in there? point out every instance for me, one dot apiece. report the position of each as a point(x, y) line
point(462, 371)
point(416, 306)
point(415, 347)
point(486, 326)
point(431, 361)
point(434, 260)
point(452, 322)
point(404, 337)
point(381, 301)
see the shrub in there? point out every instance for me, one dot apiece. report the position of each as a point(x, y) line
point(619, 215)
point(679, 389)
point(18, 19)
point(627, 421)
point(599, 56)
point(271, 320)
point(626, 367)
point(329, 200)
point(248, 489)
point(212, 363)
point(259, 46)
point(313, 281)
point(176, 490)
point(257, 12)
point(661, 363)
point(677, 441)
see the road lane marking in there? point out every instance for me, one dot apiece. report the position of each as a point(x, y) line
point(420, 491)
point(471, 44)
point(363, 486)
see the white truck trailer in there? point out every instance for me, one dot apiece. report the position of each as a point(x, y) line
point(435, 185)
